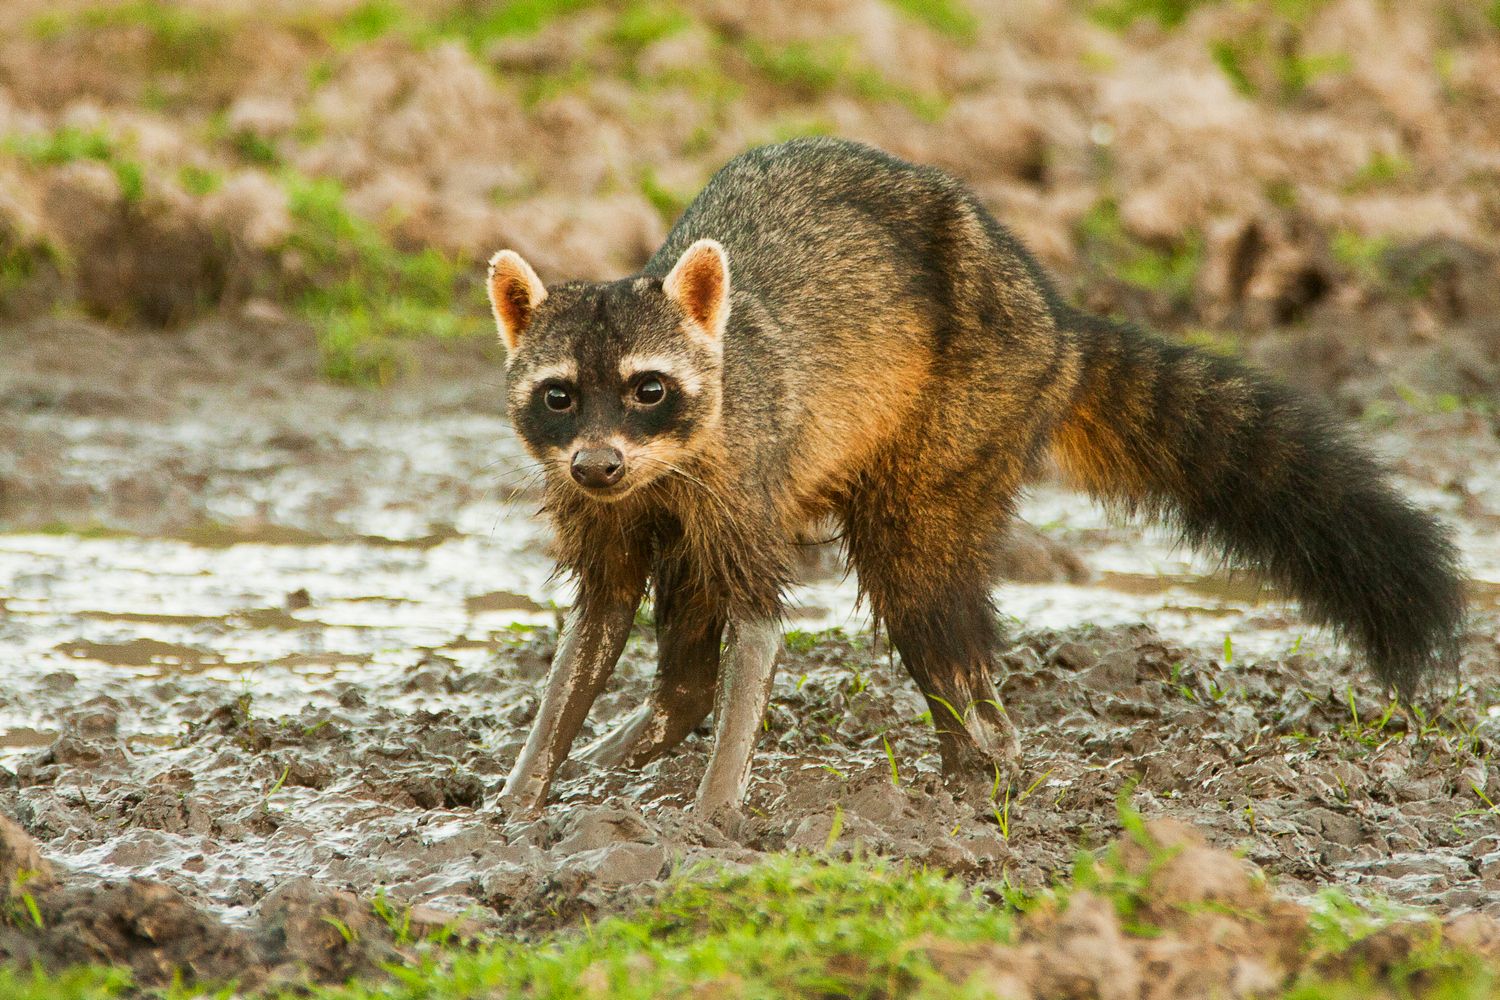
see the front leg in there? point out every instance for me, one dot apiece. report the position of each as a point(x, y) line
point(746, 671)
point(587, 651)
point(679, 700)
point(689, 625)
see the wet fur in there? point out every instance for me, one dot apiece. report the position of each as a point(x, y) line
point(895, 360)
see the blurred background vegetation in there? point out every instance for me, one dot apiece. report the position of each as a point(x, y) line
point(1219, 168)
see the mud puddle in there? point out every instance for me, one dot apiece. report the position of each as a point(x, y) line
point(298, 645)
point(282, 623)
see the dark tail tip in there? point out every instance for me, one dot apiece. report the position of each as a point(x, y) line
point(1408, 616)
point(1334, 531)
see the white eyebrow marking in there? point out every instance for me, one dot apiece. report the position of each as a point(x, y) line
point(566, 371)
point(632, 365)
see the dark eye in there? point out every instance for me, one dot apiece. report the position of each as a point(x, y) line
point(649, 391)
point(558, 399)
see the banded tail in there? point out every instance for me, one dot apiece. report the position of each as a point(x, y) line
point(1251, 469)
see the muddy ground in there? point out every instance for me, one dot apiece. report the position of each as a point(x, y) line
point(293, 652)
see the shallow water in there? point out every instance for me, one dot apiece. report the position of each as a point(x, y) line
point(282, 621)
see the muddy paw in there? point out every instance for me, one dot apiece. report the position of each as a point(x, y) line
point(730, 820)
point(512, 806)
point(982, 779)
point(986, 746)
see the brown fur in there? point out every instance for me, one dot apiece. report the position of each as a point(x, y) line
point(881, 352)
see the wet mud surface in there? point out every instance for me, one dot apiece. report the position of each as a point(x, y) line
point(278, 666)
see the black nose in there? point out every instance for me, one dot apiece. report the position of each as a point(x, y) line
point(597, 468)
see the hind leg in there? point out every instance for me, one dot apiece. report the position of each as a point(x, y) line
point(689, 625)
point(688, 629)
point(927, 571)
point(949, 653)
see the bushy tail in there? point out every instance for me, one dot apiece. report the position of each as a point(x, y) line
point(1249, 468)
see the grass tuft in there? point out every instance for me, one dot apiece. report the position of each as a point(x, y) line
point(1381, 169)
point(816, 68)
point(1118, 15)
point(68, 144)
point(1171, 272)
point(198, 181)
point(477, 25)
point(179, 39)
point(1271, 58)
point(642, 23)
point(481, 24)
point(368, 21)
point(1364, 255)
point(365, 295)
point(948, 17)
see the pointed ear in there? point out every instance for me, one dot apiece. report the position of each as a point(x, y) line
point(699, 283)
point(515, 292)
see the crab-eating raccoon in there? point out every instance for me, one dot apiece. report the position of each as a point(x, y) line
point(832, 333)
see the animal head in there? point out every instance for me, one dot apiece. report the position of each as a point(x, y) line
point(614, 384)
